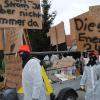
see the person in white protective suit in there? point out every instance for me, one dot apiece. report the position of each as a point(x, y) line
point(32, 81)
point(90, 80)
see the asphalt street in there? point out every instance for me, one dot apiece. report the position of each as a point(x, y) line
point(75, 84)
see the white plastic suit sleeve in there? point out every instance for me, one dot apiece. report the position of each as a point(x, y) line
point(84, 77)
point(92, 77)
point(37, 78)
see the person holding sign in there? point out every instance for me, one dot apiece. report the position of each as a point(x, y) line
point(32, 81)
point(91, 78)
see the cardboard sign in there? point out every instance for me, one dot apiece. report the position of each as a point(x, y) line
point(87, 33)
point(94, 10)
point(73, 30)
point(57, 34)
point(13, 39)
point(53, 37)
point(13, 72)
point(1, 40)
point(60, 33)
point(85, 29)
point(20, 13)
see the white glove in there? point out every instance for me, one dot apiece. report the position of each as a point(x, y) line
point(82, 87)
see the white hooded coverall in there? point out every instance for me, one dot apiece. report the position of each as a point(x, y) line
point(32, 81)
point(91, 81)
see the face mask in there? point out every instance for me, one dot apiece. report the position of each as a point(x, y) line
point(93, 59)
point(23, 55)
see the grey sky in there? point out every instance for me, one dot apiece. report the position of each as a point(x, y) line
point(67, 9)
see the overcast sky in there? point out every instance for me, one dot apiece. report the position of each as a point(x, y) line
point(67, 9)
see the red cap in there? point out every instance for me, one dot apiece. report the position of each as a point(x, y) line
point(24, 48)
point(93, 53)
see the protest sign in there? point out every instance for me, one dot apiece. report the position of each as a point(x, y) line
point(20, 13)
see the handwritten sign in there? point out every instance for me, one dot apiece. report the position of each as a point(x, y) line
point(20, 13)
point(87, 33)
point(13, 63)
